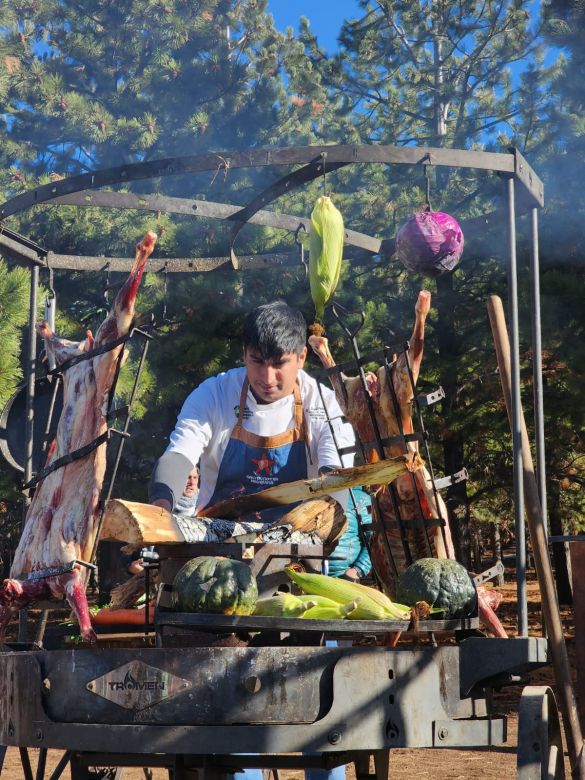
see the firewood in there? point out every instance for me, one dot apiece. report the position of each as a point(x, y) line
point(139, 524)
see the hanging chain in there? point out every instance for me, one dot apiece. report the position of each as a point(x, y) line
point(107, 286)
point(165, 289)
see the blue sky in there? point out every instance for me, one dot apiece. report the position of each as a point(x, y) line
point(326, 17)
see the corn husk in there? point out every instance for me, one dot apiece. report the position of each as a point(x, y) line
point(338, 612)
point(325, 252)
point(282, 605)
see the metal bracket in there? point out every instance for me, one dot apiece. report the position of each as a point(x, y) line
point(444, 482)
point(489, 574)
point(55, 571)
point(429, 399)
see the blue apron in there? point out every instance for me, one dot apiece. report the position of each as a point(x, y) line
point(252, 463)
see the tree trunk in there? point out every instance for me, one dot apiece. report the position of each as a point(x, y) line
point(456, 500)
point(497, 550)
point(559, 550)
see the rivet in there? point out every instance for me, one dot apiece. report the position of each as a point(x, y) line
point(443, 733)
point(334, 738)
point(38, 735)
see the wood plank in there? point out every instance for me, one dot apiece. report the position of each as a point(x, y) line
point(384, 472)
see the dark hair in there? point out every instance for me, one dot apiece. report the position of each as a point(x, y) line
point(273, 329)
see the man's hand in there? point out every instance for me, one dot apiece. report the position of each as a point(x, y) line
point(163, 503)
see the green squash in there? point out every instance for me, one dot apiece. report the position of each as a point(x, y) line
point(442, 583)
point(216, 585)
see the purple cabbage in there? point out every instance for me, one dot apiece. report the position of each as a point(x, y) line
point(430, 243)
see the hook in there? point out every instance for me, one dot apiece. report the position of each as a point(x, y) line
point(427, 165)
point(323, 158)
point(336, 308)
point(165, 271)
point(299, 243)
point(107, 287)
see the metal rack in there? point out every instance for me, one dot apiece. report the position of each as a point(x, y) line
point(177, 707)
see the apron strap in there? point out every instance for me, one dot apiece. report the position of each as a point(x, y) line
point(300, 432)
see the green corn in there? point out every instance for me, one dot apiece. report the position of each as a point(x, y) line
point(368, 610)
point(323, 601)
point(282, 605)
point(342, 591)
point(325, 252)
point(338, 612)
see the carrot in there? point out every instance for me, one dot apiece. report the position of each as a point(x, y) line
point(109, 617)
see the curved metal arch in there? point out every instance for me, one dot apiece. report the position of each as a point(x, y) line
point(511, 163)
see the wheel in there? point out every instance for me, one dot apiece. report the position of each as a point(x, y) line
point(540, 746)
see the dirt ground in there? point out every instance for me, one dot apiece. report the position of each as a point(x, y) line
point(406, 764)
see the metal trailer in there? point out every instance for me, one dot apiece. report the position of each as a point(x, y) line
point(292, 702)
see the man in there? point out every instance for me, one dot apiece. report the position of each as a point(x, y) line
point(254, 427)
point(257, 426)
point(187, 503)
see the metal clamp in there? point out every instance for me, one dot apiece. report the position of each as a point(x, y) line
point(489, 574)
point(429, 399)
point(453, 479)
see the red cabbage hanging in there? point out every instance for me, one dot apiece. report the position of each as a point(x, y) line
point(430, 243)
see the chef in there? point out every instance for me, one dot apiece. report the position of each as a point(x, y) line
point(257, 426)
point(254, 427)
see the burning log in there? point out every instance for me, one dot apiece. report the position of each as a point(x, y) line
point(62, 520)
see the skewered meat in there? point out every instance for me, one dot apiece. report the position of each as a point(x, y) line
point(413, 494)
point(61, 522)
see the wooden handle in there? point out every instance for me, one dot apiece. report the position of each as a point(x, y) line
point(537, 530)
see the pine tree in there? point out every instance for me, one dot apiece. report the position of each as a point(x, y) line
point(93, 84)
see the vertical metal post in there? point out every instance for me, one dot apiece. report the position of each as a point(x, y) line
point(520, 531)
point(537, 365)
point(31, 370)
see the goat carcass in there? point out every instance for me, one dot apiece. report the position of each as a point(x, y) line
point(62, 519)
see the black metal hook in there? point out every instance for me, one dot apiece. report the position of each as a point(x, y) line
point(427, 165)
point(323, 158)
point(299, 243)
point(337, 310)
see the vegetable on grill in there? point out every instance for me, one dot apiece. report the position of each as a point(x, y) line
point(369, 600)
point(444, 584)
point(430, 243)
point(216, 585)
point(283, 605)
point(325, 252)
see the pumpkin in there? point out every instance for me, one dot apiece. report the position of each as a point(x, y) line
point(442, 583)
point(214, 584)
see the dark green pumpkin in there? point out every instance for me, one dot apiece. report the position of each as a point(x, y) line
point(214, 584)
point(444, 584)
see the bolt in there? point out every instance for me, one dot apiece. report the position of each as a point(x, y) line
point(90, 686)
point(38, 735)
point(334, 738)
point(443, 733)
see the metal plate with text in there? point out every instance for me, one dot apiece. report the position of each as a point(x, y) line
point(137, 685)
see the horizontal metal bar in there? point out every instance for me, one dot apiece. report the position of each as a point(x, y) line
point(562, 539)
point(204, 208)
point(409, 155)
point(20, 252)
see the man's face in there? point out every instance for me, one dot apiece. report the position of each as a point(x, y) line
point(192, 484)
point(272, 380)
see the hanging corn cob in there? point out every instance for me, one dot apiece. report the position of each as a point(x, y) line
point(325, 252)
